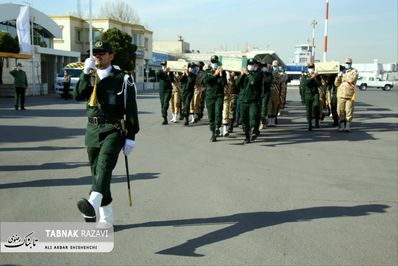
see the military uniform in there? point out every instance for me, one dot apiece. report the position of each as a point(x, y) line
point(346, 96)
point(265, 97)
point(176, 98)
point(112, 99)
point(310, 97)
point(250, 85)
point(195, 109)
point(214, 97)
point(165, 89)
point(229, 107)
point(188, 86)
point(275, 100)
point(20, 83)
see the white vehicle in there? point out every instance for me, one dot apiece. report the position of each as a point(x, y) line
point(74, 70)
point(364, 82)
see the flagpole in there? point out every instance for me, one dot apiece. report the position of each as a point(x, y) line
point(91, 31)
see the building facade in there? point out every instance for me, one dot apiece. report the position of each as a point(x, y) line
point(75, 37)
point(172, 47)
point(41, 69)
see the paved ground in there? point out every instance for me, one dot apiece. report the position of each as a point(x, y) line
point(291, 198)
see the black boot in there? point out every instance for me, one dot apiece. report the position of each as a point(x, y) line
point(218, 131)
point(247, 139)
point(310, 125)
point(317, 123)
point(164, 120)
point(254, 134)
point(231, 127)
point(186, 121)
point(213, 137)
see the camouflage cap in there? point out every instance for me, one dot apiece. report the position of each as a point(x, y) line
point(163, 63)
point(251, 61)
point(348, 61)
point(310, 65)
point(275, 63)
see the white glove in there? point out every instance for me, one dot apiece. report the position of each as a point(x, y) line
point(340, 74)
point(128, 147)
point(89, 64)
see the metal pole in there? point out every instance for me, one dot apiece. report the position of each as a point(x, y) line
point(314, 23)
point(91, 32)
point(325, 44)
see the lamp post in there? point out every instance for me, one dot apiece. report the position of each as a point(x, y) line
point(325, 44)
point(313, 23)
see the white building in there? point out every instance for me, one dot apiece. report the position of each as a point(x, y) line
point(75, 36)
point(41, 70)
point(302, 54)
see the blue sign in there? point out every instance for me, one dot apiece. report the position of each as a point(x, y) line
point(157, 58)
point(140, 53)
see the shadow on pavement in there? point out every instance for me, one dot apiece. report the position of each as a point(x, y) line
point(37, 133)
point(85, 180)
point(44, 166)
point(40, 148)
point(246, 222)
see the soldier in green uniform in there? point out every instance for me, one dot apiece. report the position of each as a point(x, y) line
point(265, 94)
point(250, 85)
point(111, 108)
point(166, 78)
point(215, 80)
point(188, 85)
point(20, 83)
point(310, 95)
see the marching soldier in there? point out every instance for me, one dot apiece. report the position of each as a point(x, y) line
point(215, 81)
point(250, 85)
point(266, 94)
point(310, 95)
point(275, 101)
point(176, 97)
point(112, 126)
point(197, 95)
point(229, 107)
point(346, 95)
point(165, 89)
point(283, 93)
point(188, 85)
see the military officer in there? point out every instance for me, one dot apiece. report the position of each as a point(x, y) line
point(309, 93)
point(188, 85)
point(166, 79)
point(20, 83)
point(250, 86)
point(112, 126)
point(176, 97)
point(215, 81)
point(346, 95)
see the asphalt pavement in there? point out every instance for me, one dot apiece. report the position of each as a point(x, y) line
point(292, 197)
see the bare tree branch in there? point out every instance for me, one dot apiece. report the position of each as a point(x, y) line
point(119, 10)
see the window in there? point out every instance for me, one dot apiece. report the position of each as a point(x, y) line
point(96, 35)
point(146, 44)
point(138, 39)
point(79, 35)
point(371, 79)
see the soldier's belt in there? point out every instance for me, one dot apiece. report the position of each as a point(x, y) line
point(102, 120)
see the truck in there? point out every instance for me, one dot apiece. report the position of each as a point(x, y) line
point(74, 70)
point(364, 83)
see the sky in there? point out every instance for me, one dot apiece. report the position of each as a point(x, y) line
point(364, 30)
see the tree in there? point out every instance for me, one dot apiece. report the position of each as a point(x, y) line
point(122, 46)
point(119, 10)
point(7, 44)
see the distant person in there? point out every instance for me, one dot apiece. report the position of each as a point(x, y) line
point(345, 83)
point(309, 93)
point(166, 78)
point(20, 83)
point(66, 83)
point(188, 87)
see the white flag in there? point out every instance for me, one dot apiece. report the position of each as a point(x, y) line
point(23, 29)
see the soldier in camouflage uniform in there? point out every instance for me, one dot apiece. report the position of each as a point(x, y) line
point(345, 84)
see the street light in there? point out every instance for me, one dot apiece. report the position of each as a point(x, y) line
point(313, 23)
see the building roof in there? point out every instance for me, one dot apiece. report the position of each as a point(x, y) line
point(11, 12)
